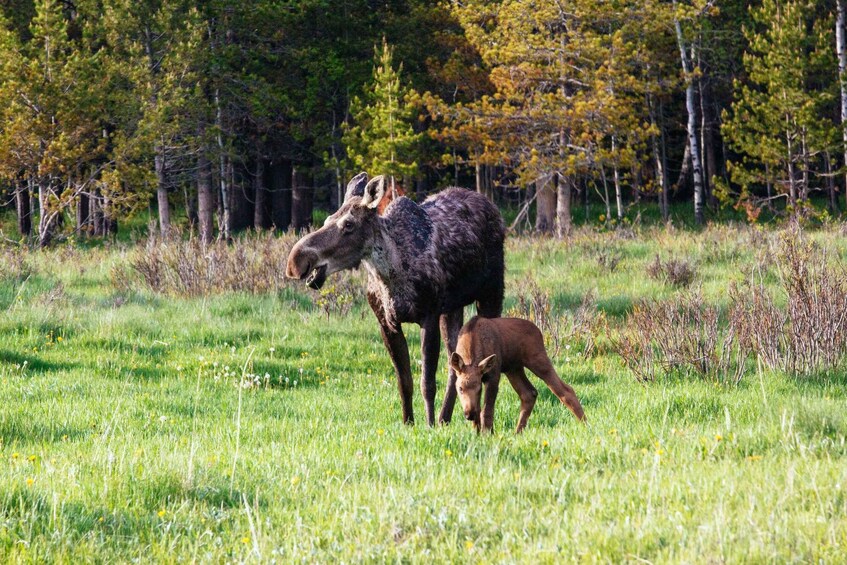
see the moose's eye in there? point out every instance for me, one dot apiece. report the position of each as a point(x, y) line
point(348, 227)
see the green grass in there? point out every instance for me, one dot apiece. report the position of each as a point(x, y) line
point(123, 435)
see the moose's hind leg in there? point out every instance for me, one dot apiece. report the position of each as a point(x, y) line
point(527, 394)
point(430, 348)
point(489, 304)
point(541, 365)
point(450, 324)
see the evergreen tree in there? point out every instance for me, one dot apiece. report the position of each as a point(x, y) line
point(777, 123)
point(383, 141)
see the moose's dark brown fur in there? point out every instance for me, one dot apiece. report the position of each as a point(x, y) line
point(487, 348)
point(424, 262)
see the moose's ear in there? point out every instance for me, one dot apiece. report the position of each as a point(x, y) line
point(374, 192)
point(356, 186)
point(457, 362)
point(487, 364)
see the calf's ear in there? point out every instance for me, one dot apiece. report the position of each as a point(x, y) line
point(356, 186)
point(487, 364)
point(374, 192)
point(457, 362)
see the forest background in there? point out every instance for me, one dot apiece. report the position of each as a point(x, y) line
point(227, 115)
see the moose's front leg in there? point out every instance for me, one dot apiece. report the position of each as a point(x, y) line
point(430, 348)
point(398, 350)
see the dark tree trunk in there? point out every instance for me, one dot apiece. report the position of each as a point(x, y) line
point(659, 164)
point(205, 199)
point(261, 217)
point(707, 141)
point(83, 212)
point(545, 204)
point(190, 196)
point(830, 184)
point(663, 163)
point(302, 194)
point(241, 199)
point(421, 187)
point(110, 221)
point(95, 214)
point(22, 206)
point(280, 178)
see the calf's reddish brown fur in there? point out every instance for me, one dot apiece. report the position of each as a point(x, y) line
point(488, 347)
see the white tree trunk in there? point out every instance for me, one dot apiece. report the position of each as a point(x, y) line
point(222, 160)
point(563, 207)
point(696, 163)
point(162, 192)
point(617, 178)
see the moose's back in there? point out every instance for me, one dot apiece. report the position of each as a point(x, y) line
point(468, 239)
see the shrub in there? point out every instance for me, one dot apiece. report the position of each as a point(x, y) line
point(807, 335)
point(677, 272)
point(810, 334)
point(560, 330)
point(185, 267)
point(608, 261)
point(679, 335)
point(14, 265)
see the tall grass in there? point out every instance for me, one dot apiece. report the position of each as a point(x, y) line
point(127, 432)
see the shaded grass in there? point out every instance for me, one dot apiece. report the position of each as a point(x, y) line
point(119, 440)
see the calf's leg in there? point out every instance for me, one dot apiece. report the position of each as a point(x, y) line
point(492, 386)
point(450, 324)
point(527, 394)
point(541, 365)
point(430, 347)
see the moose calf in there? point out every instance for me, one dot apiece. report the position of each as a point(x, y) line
point(488, 347)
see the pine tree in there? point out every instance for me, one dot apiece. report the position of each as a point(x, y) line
point(383, 141)
point(48, 127)
point(777, 122)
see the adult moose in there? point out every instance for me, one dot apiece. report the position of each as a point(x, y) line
point(425, 263)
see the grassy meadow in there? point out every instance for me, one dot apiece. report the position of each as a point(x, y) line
point(236, 427)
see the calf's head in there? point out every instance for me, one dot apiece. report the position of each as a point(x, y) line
point(345, 238)
point(469, 380)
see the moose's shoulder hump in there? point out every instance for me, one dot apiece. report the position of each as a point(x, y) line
point(409, 222)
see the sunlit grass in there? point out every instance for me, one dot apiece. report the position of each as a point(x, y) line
point(241, 427)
